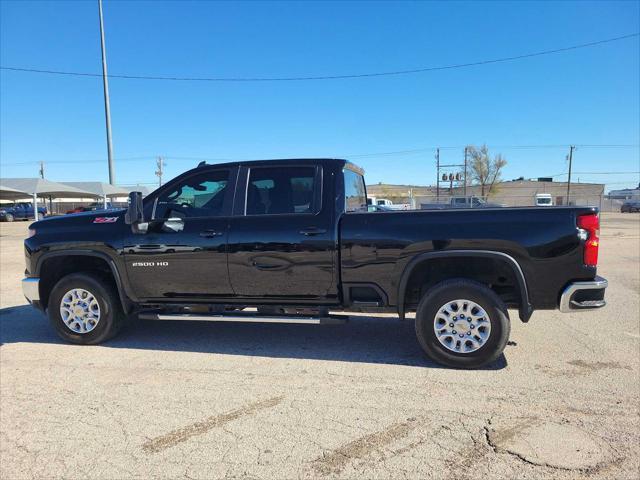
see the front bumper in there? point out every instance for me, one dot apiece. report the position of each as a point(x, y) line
point(586, 295)
point(31, 289)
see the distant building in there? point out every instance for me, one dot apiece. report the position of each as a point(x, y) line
point(523, 192)
point(625, 194)
point(520, 192)
point(399, 193)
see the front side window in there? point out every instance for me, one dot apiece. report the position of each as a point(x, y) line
point(355, 195)
point(281, 190)
point(200, 195)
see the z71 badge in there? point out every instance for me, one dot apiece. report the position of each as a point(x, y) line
point(105, 220)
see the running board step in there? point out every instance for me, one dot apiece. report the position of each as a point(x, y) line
point(331, 320)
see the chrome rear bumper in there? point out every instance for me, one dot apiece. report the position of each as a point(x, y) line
point(31, 289)
point(586, 295)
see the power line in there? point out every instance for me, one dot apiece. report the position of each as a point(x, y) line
point(69, 162)
point(416, 151)
point(504, 147)
point(355, 155)
point(594, 173)
point(328, 77)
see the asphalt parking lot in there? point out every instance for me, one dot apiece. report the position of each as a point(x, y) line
point(192, 400)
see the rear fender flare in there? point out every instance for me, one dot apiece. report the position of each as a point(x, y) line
point(525, 309)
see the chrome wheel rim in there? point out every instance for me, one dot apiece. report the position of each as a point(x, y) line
point(80, 310)
point(462, 326)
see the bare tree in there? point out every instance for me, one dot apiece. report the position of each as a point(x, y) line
point(484, 170)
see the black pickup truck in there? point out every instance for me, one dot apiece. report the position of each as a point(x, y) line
point(293, 239)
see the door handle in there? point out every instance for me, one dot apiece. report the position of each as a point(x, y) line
point(311, 231)
point(262, 266)
point(210, 234)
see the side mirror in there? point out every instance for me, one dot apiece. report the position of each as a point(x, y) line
point(134, 213)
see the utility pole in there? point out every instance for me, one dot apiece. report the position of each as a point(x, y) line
point(465, 173)
point(107, 108)
point(437, 174)
point(571, 149)
point(42, 170)
point(160, 163)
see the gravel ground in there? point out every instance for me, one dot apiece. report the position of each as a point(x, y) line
point(192, 400)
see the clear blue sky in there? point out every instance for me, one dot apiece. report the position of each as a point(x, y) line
point(586, 96)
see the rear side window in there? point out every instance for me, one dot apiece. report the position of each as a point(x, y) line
point(355, 195)
point(281, 190)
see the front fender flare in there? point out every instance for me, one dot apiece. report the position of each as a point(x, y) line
point(126, 300)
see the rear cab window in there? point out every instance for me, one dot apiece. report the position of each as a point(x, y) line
point(355, 192)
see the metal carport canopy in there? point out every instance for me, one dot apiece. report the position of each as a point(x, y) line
point(42, 187)
point(100, 189)
point(35, 187)
point(8, 193)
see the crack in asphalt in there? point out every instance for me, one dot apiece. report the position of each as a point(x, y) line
point(512, 432)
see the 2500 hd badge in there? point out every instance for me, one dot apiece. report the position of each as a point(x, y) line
point(150, 264)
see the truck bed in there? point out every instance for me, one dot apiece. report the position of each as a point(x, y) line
point(377, 247)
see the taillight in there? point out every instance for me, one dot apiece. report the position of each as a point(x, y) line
point(590, 224)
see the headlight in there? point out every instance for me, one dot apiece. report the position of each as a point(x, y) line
point(2, 211)
point(32, 232)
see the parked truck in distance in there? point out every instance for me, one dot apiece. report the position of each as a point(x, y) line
point(544, 200)
point(19, 211)
point(386, 204)
point(294, 239)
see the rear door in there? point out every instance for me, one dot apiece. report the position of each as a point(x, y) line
point(190, 263)
point(282, 236)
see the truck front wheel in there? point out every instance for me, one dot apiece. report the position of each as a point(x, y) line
point(462, 324)
point(84, 308)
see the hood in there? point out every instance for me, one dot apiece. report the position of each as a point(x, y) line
point(80, 219)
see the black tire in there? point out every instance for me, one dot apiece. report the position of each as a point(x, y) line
point(456, 289)
point(9, 217)
point(111, 315)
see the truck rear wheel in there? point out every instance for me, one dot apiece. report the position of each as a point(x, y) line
point(462, 324)
point(85, 308)
point(8, 217)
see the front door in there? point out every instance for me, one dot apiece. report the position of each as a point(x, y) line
point(185, 257)
point(282, 239)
